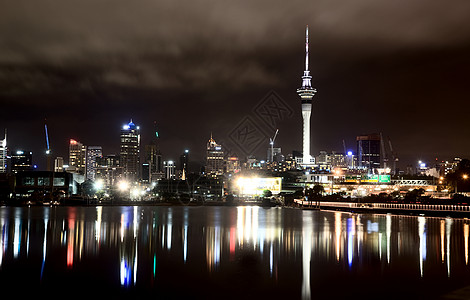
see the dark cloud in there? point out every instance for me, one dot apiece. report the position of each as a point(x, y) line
point(399, 67)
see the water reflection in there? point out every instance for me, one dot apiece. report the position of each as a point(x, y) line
point(288, 248)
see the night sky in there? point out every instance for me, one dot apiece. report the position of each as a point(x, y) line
point(195, 67)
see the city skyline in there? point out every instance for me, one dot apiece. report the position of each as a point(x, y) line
point(405, 76)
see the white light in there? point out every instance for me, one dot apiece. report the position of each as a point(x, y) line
point(135, 193)
point(99, 184)
point(19, 152)
point(125, 127)
point(123, 185)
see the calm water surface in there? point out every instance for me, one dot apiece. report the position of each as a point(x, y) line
point(229, 252)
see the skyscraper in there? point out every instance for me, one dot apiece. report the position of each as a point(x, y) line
point(77, 157)
point(306, 93)
point(108, 170)
point(169, 167)
point(92, 153)
point(215, 159)
point(22, 161)
point(153, 157)
point(3, 154)
point(368, 149)
point(130, 151)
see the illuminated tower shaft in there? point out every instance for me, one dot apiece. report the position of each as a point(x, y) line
point(306, 93)
point(306, 113)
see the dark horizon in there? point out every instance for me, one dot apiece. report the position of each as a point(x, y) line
point(198, 68)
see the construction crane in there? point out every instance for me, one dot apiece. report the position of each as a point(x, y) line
point(48, 149)
point(394, 156)
point(271, 142)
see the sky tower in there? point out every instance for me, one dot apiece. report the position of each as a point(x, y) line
point(306, 93)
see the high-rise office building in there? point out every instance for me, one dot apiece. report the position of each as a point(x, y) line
point(368, 151)
point(130, 151)
point(3, 154)
point(153, 157)
point(92, 153)
point(108, 170)
point(169, 167)
point(77, 157)
point(22, 161)
point(306, 93)
point(214, 159)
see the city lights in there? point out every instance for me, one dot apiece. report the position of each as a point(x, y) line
point(255, 186)
point(99, 184)
point(123, 185)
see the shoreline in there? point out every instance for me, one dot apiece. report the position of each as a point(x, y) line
point(362, 210)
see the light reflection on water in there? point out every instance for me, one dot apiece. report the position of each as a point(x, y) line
point(291, 252)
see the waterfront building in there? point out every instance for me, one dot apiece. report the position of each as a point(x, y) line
point(92, 153)
point(368, 149)
point(306, 93)
point(45, 185)
point(21, 161)
point(77, 157)
point(130, 151)
point(214, 159)
point(3, 154)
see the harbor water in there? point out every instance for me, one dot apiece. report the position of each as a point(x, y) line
point(229, 252)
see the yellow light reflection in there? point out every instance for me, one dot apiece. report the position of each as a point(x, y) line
point(443, 231)
point(338, 234)
point(465, 238)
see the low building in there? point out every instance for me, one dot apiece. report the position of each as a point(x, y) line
point(39, 185)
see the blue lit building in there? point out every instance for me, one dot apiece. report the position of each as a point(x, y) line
point(130, 151)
